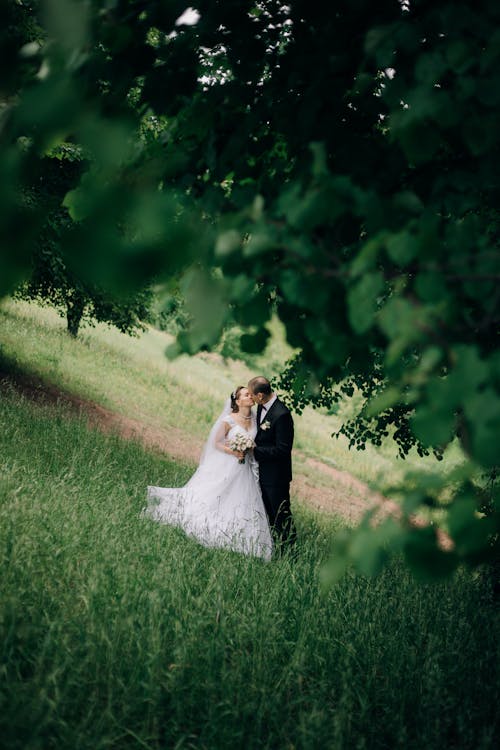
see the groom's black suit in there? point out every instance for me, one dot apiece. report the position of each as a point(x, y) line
point(273, 452)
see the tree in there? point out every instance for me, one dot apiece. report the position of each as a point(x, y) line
point(65, 86)
point(341, 167)
point(372, 144)
point(50, 280)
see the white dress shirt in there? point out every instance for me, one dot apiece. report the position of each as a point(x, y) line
point(267, 406)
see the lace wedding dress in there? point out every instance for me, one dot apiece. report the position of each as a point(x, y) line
point(221, 505)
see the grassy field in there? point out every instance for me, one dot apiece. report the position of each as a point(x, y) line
point(132, 376)
point(120, 633)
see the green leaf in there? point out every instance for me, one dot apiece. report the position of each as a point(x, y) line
point(383, 401)
point(433, 425)
point(367, 256)
point(430, 67)
point(431, 287)
point(110, 144)
point(397, 318)
point(227, 243)
point(469, 372)
point(367, 553)
point(242, 288)
point(173, 350)
point(206, 304)
point(402, 248)
point(431, 357)
point(320, 161)
point(403, 323)
point(338, 563)
point(379, 43)
point(426, 561)
point(482, 410)
point(259, 242)
point(333, 350)
point(333, 571)
point(304, 291)
point(471, 534)
point(362, 301)
point(481, 133)
point(412, 501)
point(419, 141)
point(68, 22)
point(254, 343)
point(408, 201)
point(461, 514)
point(255, 311)
point(459, 55)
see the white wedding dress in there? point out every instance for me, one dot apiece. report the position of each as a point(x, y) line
point(221, 505)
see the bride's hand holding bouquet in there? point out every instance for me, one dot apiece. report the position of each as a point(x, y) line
point(241, 444)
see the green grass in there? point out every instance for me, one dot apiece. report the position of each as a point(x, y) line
point(121, 633)
point(132, 377)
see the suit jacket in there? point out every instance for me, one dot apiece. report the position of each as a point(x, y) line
point(273, 446)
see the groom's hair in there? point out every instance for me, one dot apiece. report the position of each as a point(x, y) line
point(260, 385)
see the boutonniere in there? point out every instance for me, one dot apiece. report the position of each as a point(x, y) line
point(265, 426)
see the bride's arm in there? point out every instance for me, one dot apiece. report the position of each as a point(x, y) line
point(220, 440)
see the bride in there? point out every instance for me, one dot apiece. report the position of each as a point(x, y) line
point(221, 505)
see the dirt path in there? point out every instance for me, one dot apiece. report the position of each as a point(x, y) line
point(334, 491)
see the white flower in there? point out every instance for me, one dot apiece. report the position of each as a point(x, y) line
point(265, 426)
point(241, 443)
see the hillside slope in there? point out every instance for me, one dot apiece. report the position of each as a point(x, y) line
point(128, 385)
point(120, 633)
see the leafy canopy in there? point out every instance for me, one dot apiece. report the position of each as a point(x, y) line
point(339, 166)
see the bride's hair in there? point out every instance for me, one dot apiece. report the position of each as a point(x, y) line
point(234, 396)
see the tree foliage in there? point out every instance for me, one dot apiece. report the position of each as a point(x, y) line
point(338, 166)
point(50, 280)
point(51, 283)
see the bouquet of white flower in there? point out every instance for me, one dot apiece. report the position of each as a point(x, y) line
point(241, 443)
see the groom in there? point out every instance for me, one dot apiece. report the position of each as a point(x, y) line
point(273, 452)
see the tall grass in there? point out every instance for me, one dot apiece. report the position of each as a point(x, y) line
point(132, 377)
point(121, 633)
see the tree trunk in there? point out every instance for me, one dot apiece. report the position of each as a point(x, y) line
point(75, 305)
